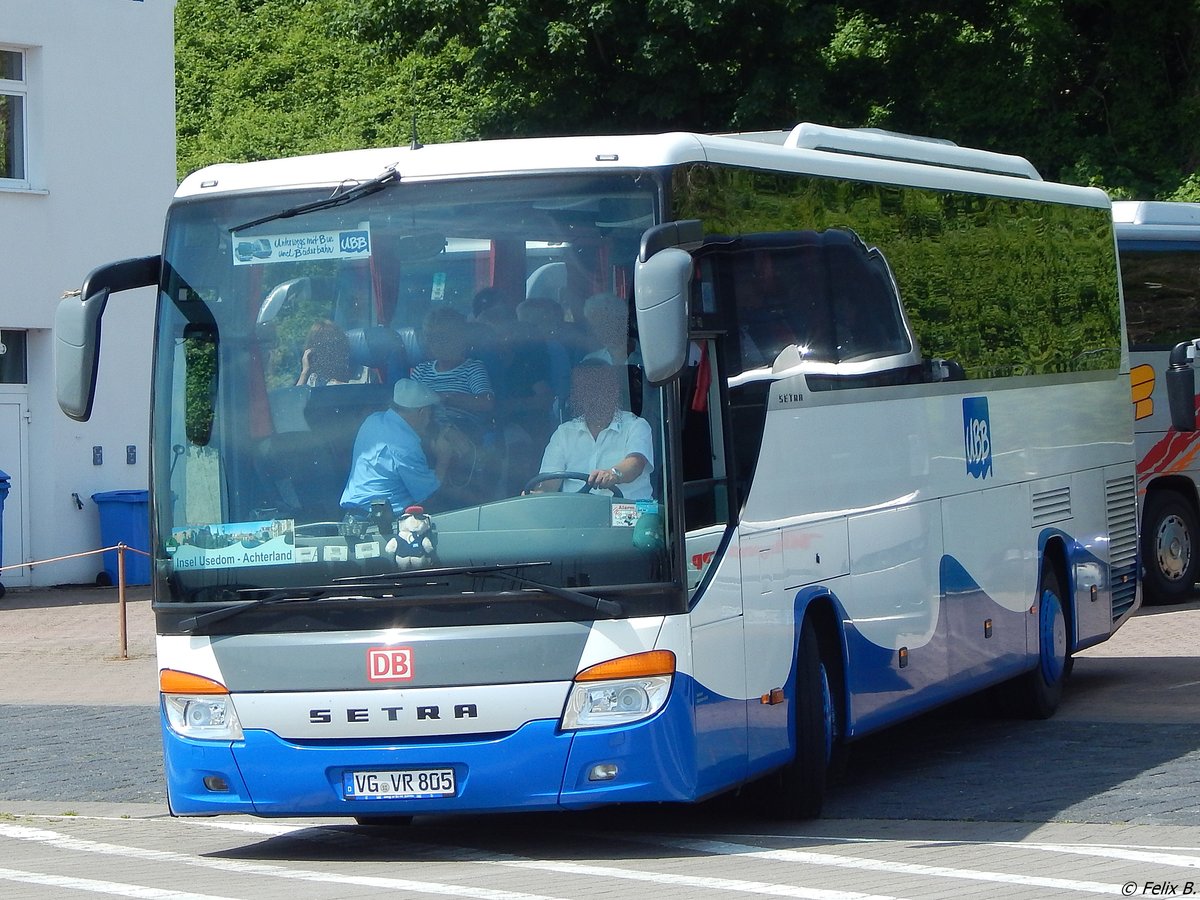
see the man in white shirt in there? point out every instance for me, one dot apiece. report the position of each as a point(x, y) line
point(612, 445)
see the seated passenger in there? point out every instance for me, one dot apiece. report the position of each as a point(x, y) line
point(492, 305)
point(607, 317)
point(543, 320)
point(389, 461)
point(612, 445)
point(462, 384)
point(326, 358)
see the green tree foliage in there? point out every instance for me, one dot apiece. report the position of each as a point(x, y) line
point(590, 66)
point(257, 79)
point(1092, 91)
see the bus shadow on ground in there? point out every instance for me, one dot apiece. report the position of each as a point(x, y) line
point(968, 765)
point(964, 764)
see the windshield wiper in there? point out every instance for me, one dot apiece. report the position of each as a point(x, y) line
point(588, 601)
point(360, 190)
point(273, 598)
point(504, 570)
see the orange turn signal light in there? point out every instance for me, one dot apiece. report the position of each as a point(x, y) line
point(652, 662)
point(171, 681)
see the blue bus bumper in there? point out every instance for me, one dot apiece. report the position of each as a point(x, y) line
point(537, 767)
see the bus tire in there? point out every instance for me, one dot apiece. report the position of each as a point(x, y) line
point(1037, 693)
point(1170, 553)
point(816, 735)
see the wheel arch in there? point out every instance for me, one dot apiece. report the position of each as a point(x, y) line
point(1179, 484)
point(1055, 555)
point(826, 616)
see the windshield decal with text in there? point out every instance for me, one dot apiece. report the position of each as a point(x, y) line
point(233, 545)
point(351, 244)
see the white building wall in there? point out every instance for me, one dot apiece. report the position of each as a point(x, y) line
point(101, 172)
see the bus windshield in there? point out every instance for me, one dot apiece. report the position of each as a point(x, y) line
point(435, 377)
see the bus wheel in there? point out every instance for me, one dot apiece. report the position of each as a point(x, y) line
point(804, 779)
point(1036, 694)
point(1169, 550)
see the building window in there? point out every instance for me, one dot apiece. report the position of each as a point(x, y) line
point(14, 366)
point(12, 115)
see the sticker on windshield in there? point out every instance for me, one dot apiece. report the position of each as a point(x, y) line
point(255, 251)
point(233, 545)
point(625, 514)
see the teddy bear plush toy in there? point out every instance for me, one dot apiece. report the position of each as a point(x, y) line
point(415, 542)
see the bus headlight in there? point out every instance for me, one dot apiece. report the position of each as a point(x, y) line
point(620, 691)
point(198, 707)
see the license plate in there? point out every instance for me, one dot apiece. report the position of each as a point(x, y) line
point(399, 783)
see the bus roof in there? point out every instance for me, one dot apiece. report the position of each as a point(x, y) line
point(1156, 224)
point(856, 154)
point(1156, 212)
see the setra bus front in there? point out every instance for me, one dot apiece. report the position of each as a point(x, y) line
point(513, 639)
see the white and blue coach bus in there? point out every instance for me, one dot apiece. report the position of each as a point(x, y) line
point(890, 463)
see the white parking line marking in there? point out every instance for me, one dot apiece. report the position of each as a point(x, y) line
point(692, 881)
point(891, 867)
point(587, 869)
point(1157, 857)
point(65, 842)
point(1164, 855)
point(102, 887)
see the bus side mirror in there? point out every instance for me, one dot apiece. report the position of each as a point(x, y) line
point(77, 330)
point(661, 286)
point(1181, 385)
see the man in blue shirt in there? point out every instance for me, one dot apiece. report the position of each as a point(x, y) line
point(389, 461)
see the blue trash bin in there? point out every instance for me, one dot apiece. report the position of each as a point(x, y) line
point(125, 519)
point(4, 482)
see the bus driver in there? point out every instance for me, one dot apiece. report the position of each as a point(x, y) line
point(612, 445)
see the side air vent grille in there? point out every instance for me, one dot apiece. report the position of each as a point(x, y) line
point(1120, 496)
point(1051, 506)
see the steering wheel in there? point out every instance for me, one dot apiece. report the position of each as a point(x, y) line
point(580, 476)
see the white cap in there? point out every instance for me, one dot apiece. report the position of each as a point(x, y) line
point(409, 394)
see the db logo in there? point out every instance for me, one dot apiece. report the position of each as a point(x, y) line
point(355, 241)
point(389, 664)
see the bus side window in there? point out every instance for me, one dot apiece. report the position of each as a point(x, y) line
point(705, 476)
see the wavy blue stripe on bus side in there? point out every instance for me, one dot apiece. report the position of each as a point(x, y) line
point(881, 693)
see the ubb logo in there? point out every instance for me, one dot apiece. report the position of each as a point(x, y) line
point(354, 241)
point(977, 436)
